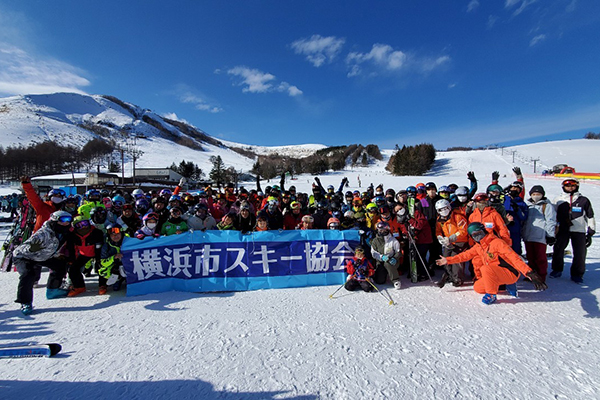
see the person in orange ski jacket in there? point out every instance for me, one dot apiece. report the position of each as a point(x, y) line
point(500, 265)
point(451, 233)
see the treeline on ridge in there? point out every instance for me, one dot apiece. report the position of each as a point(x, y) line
point(330, 158)
point(412, 160)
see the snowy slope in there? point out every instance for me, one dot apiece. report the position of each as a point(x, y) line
point(299, 344)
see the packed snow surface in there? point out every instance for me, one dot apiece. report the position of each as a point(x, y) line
point(300, 344)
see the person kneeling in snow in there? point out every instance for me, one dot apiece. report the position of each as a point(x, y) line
point(499, 264)
point(359, 271)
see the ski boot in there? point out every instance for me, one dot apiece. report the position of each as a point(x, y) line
point(488, 299)
point(76, 292)
point(26, 309)
point(442, 282)
point(512, 290)
point(555, 274)
point(56, 293)
point(577, 279)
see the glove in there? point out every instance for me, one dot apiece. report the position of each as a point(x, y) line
point(363, 272)
point(35, 246)
point(317, 179)
point(588, 240)
point(182, 181)
point(384, 258)
point(453, 238)
point(25, 179)
point(140, 236)
point(517, 172)
point(537, 281)
point(471, 176)
point(443, 241)
point(393, 261)
point(550, 240)
point(495, 175)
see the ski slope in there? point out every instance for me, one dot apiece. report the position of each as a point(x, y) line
point(299, 344)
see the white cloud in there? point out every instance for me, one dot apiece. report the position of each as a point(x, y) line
point(491, 21)
point(473, 5)
point(256, 81)
point(537, 39)
point(522, 7)
point(381, 55)
point(451, 85)
point(291, 90)
point(319, 49)
point(24, 73)
point(187, 95)
point(383, 58)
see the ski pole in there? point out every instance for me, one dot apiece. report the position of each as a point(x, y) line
point(338, 289)
point(391, 301)
point(412, 240)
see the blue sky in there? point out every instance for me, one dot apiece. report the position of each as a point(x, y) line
point(452, 73)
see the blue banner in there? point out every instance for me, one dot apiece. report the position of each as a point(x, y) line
point(231, 261)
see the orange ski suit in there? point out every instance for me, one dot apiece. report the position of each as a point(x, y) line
point(500, 265)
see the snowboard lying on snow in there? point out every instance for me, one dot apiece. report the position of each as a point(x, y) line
point(35, 350)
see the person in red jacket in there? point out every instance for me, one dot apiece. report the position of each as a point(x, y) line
point(293, 219)
point(43, 209)
point(88, 242)
point(359, 271)
point(500, 265)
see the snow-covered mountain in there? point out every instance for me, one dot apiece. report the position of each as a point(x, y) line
point(74, 119)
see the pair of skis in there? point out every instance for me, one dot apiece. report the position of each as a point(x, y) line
point(35, 350)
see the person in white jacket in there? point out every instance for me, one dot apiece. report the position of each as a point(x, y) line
point(539, 230)
point(576, 223)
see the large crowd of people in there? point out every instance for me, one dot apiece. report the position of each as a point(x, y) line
point(466, 233)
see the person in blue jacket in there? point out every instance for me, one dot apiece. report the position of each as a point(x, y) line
point(516, 213)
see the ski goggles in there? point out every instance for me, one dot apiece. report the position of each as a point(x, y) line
point(478, 235)
point(334, 226)
point(127, 207)
point(65, 218)
point(114, 231)
point(82, 224)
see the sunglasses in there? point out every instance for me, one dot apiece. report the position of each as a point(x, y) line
point(82, 224)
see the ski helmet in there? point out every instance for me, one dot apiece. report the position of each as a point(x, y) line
point(333, 223)
point(141, 206)
point(118, 201)
point(462, 191)
point(61, 216)
point(570, 182)
point(383, 228)
point(477, 231)
point(137, 193)
point(481, 197)
point(443, 207)
point(150, 215)
point(56, 192)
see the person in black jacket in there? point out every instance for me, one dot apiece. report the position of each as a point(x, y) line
point(245, 220)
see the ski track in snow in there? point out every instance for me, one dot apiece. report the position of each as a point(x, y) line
point(299, 344)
